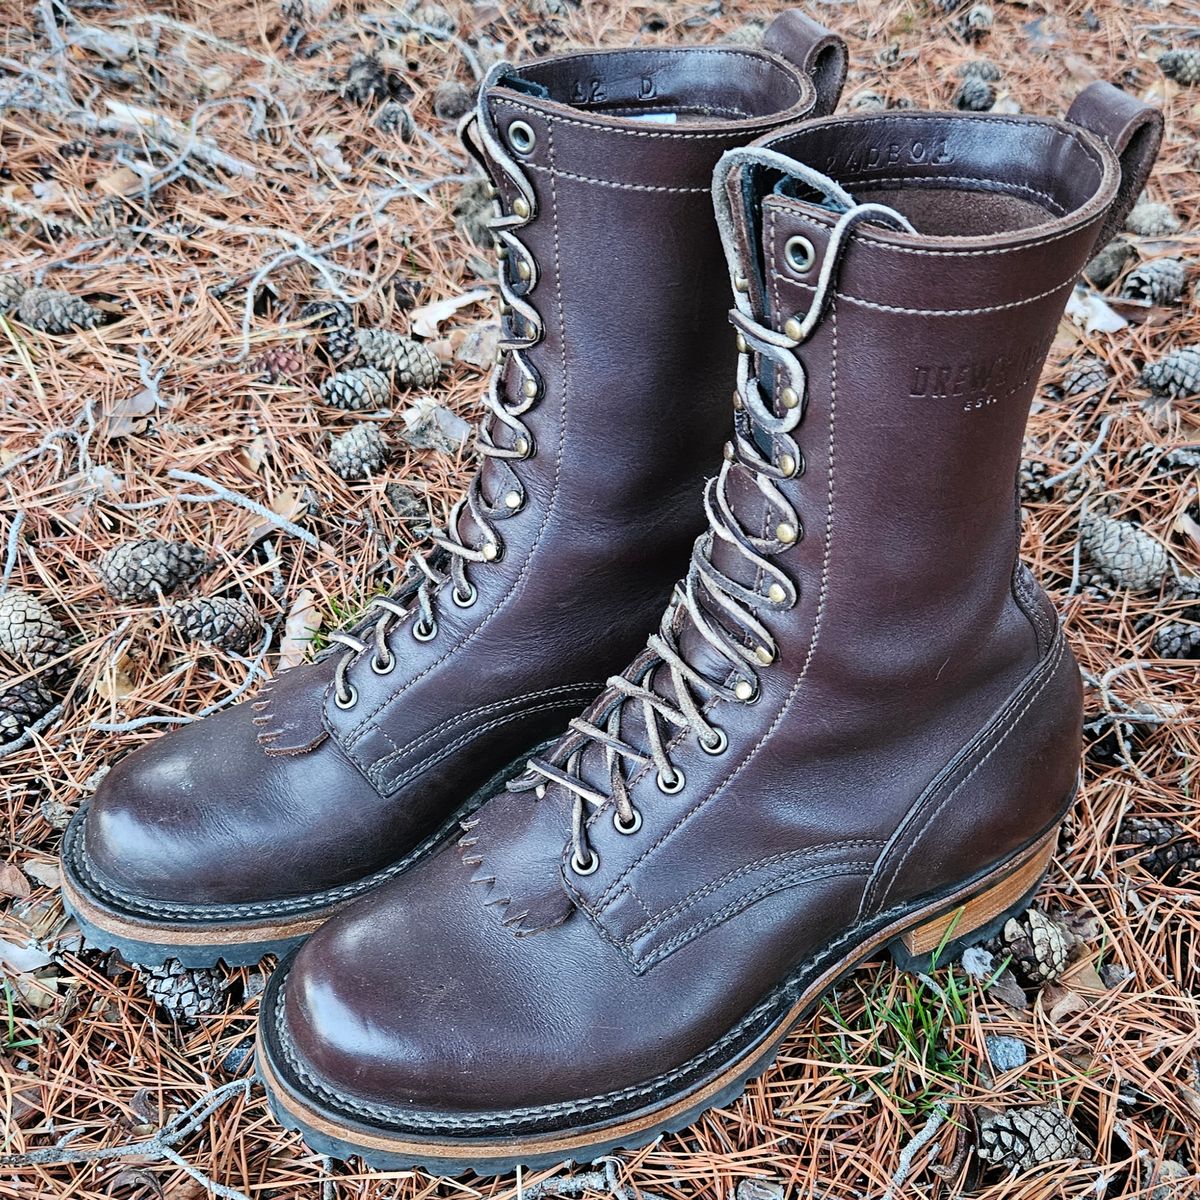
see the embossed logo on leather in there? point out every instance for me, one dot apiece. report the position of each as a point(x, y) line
point(980, 382)
point(904, 152)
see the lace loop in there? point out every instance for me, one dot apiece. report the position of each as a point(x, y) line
point(514, 388)
point(723, 611)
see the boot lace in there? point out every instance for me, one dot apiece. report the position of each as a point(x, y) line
point(452, 552)
point(723, 611)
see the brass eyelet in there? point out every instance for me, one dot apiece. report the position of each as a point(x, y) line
point(423, 632)
point(799, 253)
point(746, 690)
point(349, 700)
point(632, 827)
point(514, 501)
point(672, 785)
point(467, 600)
point(521, 137)
point(385, 667)
point(585, 868)
point(718, 745)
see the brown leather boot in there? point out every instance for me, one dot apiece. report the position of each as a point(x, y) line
point(857, 728)
point(240, 834)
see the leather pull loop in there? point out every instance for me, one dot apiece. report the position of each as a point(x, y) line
point(1133, 131)
point(819, 53)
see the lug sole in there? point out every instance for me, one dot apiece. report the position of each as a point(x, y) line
point(200, 941)
point(965, 916)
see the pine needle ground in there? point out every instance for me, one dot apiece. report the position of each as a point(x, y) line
point(197, 173)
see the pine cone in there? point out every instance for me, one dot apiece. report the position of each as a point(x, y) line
point(1160, 281)
point(1017, 1139)
point(1032, 479)
point(1151, 219)
point(975, 23)
point(451, 100)
point(222, 621)
point(475, 209)
point(1177, 639)
point(357, 389)
point(411, 364)
point(55, 311)
point(337, 321)
point(21, 705)
point(409, 507)
point(1125, 554)
point(1175, 374)
point(30, 634)
point(1109, 263)
point(1182, 458)
point(975, 94)
point(280, 364)
point(394, 117)
point(139, 570)
point(435, 16)
point(981, 68)
point(1183, 66)
point(868, 100)
point(1159, 846)
point(11, 291)
point(183, 993)
point(1087, 373)
point(366, 80)
point(359, 452)
point(1038, 945)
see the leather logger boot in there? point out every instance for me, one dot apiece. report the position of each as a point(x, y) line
point(857, 728)
point(240, 834)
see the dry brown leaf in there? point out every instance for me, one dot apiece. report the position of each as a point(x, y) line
point(13, 882)
point(427, 320)
point(302, 625)
point(45, 873)
point(254, 455)
point(113, 682)
point(130, 414)
point(1186, 524)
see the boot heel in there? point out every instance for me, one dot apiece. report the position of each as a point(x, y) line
point(1005, 894)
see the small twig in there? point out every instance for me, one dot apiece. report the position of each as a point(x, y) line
point(260, 510)
point(26, 739)
point(172, 1132)
point(933, 1123)
point(210, 1185)
point(185, 719)
point(1084, 458)
point(10, 556)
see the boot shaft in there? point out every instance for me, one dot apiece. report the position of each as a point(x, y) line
point(602, 163)
point(613, 389)
point(916, 377)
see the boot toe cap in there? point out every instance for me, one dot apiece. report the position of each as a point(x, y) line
point(204, 816)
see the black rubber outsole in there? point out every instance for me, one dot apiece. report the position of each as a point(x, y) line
point(496, 1164)
point(152, 951)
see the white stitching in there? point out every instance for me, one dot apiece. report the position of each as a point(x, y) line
point(464, 739)
point(729, 876)
point(628, 187)
point(793, 879)
point(822, 597)
point(1051, 668)
point(944, 312)
point(480, 711)
point(786, 204)
point(740, 134)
